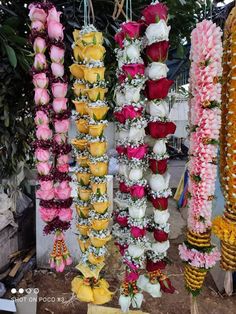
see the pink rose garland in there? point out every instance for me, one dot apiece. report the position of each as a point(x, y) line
point(51, 147)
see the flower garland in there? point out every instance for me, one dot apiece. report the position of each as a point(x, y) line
point(51, 145)
point(206, 52)
point(130, 225)
point(90, 148)
point(225, 227)
point(159, 127)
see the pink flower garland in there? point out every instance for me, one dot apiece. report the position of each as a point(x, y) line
point(52, 124)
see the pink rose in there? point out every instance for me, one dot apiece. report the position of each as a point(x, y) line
point(137, 232)
point(121, 149)
point(36, 14)
point(59, 104)
point(131, 29)
point(53, 15)
point(43, 132)
point(41, 118)
point(119, 39)
point(46, 185)
point(60, 138)
point(48, 214)
point(41, 96)
point(59, 90)
point(45, 195)
point(119, 116)
point(39, 45)
point(55, 30)
point(57, 69)
point(131, 112)
point(63, 159)
point(42, 154)
point(124, 188)
point(131, 276)
point(63, 168)
point(137, 191)
point(38, 26)
point(133, 69)
point(63, 191)
point(62, 126)
point(40, 80)
point(57, 54)
point(43, 168)
point(65, 214)
point(40, 62)
point(137, 152)
point(122, 248)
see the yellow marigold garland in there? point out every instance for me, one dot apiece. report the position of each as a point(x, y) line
point(91, 146)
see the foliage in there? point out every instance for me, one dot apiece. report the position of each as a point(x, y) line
point(16, 105)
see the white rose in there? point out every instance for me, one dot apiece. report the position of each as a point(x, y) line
point(142, 282)
point(123, 134)
point(135, 250)
point(136, 174)
point(159, 109)
point(120, 98)
point(132, 94)
point(159, 182)
point(153, 289)
point(123, 170)
point(137, 300)
point(132, 52)
point(161, 216)
point(137, 212)
point(121, 203)
point(159, 147)
point(124, 303)
point(157, 32)
point(160, 247)
point(136, 134)
point(156, 70)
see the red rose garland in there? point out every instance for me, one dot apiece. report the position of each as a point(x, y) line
point(52, 124)
point(159, 127)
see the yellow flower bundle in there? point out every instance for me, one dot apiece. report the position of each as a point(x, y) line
point(92, 206)
point(225, 227)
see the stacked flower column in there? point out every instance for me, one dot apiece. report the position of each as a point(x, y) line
point(197, 251)
point(51, 147)
point(91, 145)
point(129, 229)
point(158, 128)
point(225, 227)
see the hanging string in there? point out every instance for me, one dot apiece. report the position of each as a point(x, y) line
point(128, 10)
point(205, 9)
point(85, 13)
point(88, 11)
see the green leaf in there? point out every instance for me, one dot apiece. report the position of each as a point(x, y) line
point(11, 55)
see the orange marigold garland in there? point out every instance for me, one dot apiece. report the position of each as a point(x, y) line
point(225, 226)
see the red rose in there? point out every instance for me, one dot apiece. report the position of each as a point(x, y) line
point(159, 203)
point(158, 166)
point(121, 78)
point(166, 286)
point(129, 112)
point(160, 235)
point(122, 248)
point(124, 188)
point(122, 221)
point(155, 12)
point(137, 232)
point(158, 89)
point(160, 129)
point(133, 69)
point(131, 29)
point(137, 152)
point(137, 191)
point(121, 149)
point(119, 116)
point(157, 52)
point(153, 266)
point(131, 276)
point(119, 38)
